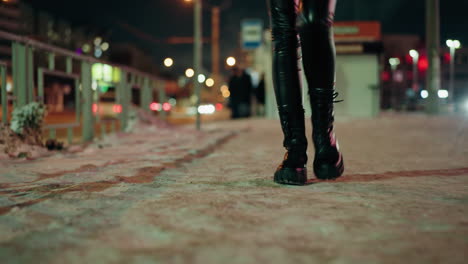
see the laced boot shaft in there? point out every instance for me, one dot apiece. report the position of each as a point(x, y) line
point(328, 161)
point(295, 140)
point(293, 168)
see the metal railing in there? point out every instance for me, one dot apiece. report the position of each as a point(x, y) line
point(25, 90)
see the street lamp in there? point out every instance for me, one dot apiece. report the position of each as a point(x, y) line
point(201, 78)
point(168, 62)
point(453, 45)
point(231, 61)
point(210, 82)
point(415, 55)
point(189, 73)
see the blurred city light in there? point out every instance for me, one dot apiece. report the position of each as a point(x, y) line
point(105, 46)
point(424, 94)
point(166, 107)
point(97, 41)
point(414, 54)
point(453, 43)
point(117, 108)
point(189, 73)
point(201, 78)
point(86, 48)
point(172, 101)
point(206, 109)
point(226, 93)
point(168, 62)
point(219, 107)
point(443, 94)
point(224, 88)
point(209, 82)
point(98, 53)
point(155, 106)
point(231, 61)
point(94, 85)
point(466, 105)
point(394, 62)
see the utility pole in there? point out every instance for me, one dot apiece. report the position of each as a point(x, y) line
point(433, 45)
point(197, 58)
point(215, 22)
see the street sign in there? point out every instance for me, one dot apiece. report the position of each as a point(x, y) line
point(252, 33)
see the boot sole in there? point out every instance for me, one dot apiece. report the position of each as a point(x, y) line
point(330, 173)
point(291, 176)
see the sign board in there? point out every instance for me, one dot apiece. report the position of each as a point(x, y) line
point(252, 33)
point(357, 31)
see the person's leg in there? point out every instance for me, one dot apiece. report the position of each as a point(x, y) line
point(318, 54)
point(288, 92)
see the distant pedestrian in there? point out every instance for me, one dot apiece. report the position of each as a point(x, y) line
point(260, 96)
point(240, 87)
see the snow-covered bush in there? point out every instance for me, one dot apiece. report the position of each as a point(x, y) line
point(27, 118)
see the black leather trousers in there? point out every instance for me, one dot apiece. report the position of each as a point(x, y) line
point(312, 19)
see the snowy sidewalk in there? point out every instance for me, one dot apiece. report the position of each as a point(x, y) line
point(180, 196)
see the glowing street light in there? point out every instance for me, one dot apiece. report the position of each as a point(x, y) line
point(105, 46)
point(394, 62)
point(453, 45)
point(201, 78)
point(210, 82)
point(97, 41)
point(189, 73)
point(231, 61)
point(168, 62)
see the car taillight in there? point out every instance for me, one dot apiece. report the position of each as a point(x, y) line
point(167, 107)
point(117, 108)
point(155, 106)
point(95, 108)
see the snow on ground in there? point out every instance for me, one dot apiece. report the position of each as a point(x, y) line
point(175, 195)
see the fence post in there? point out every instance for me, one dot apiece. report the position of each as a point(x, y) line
point(30, 74)
point(146, 96)
point(19, 74)
point(69, 65)
point(40, 85)
point(4, 94)
point(87, 111)
point(78, 100)
point(123, 98)
point(51, 58)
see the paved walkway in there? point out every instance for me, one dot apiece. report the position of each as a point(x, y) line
point(172, 195)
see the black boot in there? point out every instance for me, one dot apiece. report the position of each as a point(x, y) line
point(288, 92)
point(318, 54)
point(293, 168)
point(328, 161)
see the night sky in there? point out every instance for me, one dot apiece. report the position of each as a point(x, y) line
point(165, 18)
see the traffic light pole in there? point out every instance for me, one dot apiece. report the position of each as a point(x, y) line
point(198, 49)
